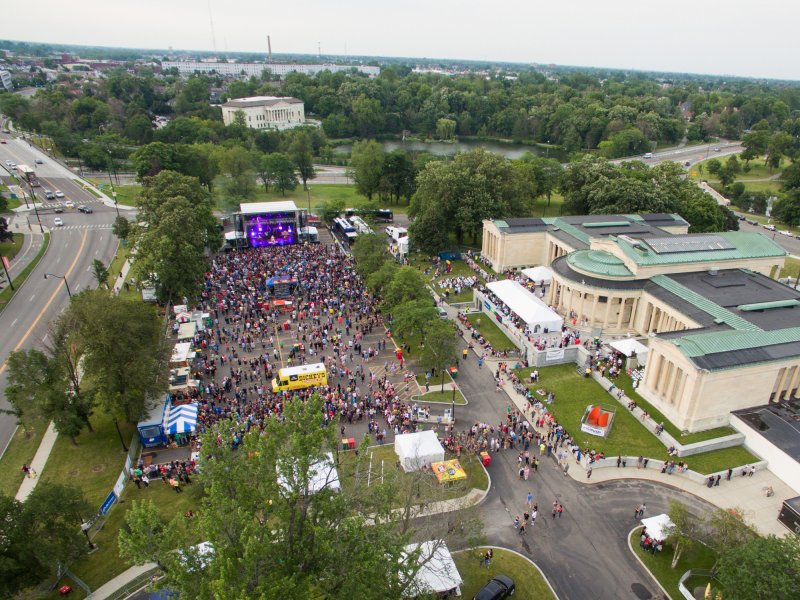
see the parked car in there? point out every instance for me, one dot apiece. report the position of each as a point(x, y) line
point(770, 227)
point(59, 194)
point(752, 222)
point(85, 209)
point(786, 233)
point(58, 222)
point(442, 314)
point(496, 588)
point(69, 204)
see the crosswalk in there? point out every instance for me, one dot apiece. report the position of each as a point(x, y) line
point(89, 226)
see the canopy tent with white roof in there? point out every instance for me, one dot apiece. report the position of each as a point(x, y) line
point(658, 527)
point(539, 274)
point(437, 572)
point(418, 449)
point(187, 330)
point(526, 305)
point(629, 347)
point(321, 475)
point(181, 352)
point(182, 419)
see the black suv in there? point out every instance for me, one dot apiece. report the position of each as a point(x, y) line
point(85, 209)
point(496, 589)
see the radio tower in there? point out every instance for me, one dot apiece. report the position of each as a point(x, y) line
point(211, 20)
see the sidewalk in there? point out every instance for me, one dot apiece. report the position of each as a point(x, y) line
point(38, 463)
point(30, 248)
point(123, 276)
point(746, 493)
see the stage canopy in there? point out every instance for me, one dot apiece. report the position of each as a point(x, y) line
point(265, 208)
point(182, 419)
point(658, 527)
point(538, 274)
point(437, 574)
point(417, 449)
point(526, 305)
point(321, 475)
point(629, 346)
point(449, 470)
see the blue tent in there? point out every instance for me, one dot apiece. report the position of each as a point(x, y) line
point(182, 419)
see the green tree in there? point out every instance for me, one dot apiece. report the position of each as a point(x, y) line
point(628, 142)
point(239, 183)
point(779, 145)
point(300, 151)
point(685, 533)
point(761, 568)
point(368, 116)
point(378, 281)
point(121, 227)
point(122, 350)
point(151, 159)
point(406, 285)
point(100, 272)
point(281, 171)
point(370, 253)
point(445, 129)
point(440, 347)
point(367, 162)
point(714, 166)
point(790, 179)
point(787, 209)
point(400, 174)
point(414, 317)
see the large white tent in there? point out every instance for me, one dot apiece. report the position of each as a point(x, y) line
point(539, 274)
point(417, 449)
point(437, 573)
point(526, 305)
point(630, 346)
point(322, 475)
point(658, 527)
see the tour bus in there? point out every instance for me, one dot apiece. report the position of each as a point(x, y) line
point(379, 215)
point(360, 225)
point(298, 378)
point(346, 230)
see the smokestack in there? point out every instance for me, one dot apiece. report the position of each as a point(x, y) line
point(269, 48)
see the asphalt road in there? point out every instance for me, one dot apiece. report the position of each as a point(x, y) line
point(73, 247)
point(690, 154)
point(790, 244)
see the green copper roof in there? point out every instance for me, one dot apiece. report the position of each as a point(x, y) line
point(701, 344)
point(768, 305)
point(572, 230)
point(590, 224)
point(598, 262)
point(746, 245)
point(720, 313)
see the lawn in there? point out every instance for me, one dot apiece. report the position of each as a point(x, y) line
point(88, 189)
point(116, 264)
point(95, 463)
point(128, 195)
point(660, 567)
point(628, 436)
point(8, 293)
point(10, 249)
point(791, 268)
point(541, 209)
point(20, 450)
point(100, 566)
point(11, 203)
point(492, 333)
point(530, 584)
point(444, 397)
point(758, 169)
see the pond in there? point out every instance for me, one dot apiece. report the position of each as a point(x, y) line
point(512, 151)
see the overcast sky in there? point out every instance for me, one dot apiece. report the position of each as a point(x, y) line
point(699, 36)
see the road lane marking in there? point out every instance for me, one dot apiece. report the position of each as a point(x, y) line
point(38, 318)
point(13, 322)
point(32, 297)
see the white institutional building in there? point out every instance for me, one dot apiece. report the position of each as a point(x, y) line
point(266, 112)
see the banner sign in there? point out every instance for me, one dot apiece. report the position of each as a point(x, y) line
point(554, 354)
point(109, 502)
point(593, 430)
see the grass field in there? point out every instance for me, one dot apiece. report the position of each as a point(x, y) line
point(529, 582)
point(660, 565)
point(492, 333)
point(628, 436)
point(8, 293)
point(791, 268)
point(458, 268)
point(88, 189)
point(21, 448)
point(758, 169)
point(443, 397)
point(12, 248)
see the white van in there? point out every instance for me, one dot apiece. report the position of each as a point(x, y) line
point(397, 233)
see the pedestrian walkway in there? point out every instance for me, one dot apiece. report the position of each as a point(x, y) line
point(749, 495)
point(123, 274)
point(31, 245)
point(38, 463)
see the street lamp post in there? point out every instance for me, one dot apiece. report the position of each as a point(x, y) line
point(64, 277)
point(111, 181)
point(119, 433)
point(453, 407)
point(33, 199)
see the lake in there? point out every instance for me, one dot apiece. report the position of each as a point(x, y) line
point(511, 151)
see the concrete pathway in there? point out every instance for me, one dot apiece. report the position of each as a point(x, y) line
point(123, 276)
point(38, 463)
point(31, 245)
point(112, 586)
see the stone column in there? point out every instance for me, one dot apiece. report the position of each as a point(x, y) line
point(622, 303)
point(593, 318)
point(609, 304)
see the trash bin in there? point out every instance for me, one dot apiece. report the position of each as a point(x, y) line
point(486, 459)
point(453, 372)
point(351, 443)
point(345, 444)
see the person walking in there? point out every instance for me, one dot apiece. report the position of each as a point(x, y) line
point(516, 522)
point(559, 510)
point(589, 473)
point(488, 558)
point(555, 509)
point(146, 481)
point(530, 499)
point(522, 527)
point(729, 475)
point(717, 480)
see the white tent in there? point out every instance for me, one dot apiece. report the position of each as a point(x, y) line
point(629, 346)
point(417, 449)
point(437, 573)
point(187, 330)
point(526, 305)
point(658, 527)
point(181, 352)
point(538, 274)
point(321, 475)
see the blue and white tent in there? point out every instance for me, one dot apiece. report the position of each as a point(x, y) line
point(182, 419)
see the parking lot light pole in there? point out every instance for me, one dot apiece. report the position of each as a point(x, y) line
point(64, 277)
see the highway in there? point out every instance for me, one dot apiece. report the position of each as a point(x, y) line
point(690, 154)
point(73, 247)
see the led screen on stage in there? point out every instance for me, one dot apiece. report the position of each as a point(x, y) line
point(276, 229)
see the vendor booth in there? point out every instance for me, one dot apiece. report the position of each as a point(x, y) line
point(181, 354)
point(533, 311)
point(187, 331)
point(658, 527)
point(322, 475)
point(415, 450)
point(631, 348)
point(449, 470)
point(165, 420)
point(437, 573)
point(182, 419)
point(539, 274)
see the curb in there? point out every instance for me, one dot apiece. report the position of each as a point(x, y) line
point(644, 566)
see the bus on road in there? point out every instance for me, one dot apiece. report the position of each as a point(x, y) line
point(298, 378)
point(28, 174)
